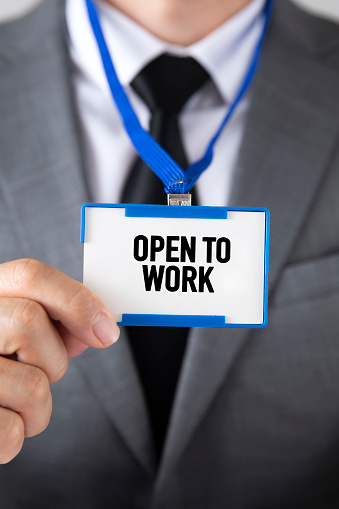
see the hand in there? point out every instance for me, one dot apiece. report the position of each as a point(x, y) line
point(45, 318)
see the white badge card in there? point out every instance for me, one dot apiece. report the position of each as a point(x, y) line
point(178, 266)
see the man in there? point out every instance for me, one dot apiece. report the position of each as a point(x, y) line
point(255, 421)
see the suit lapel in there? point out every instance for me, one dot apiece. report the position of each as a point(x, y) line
point(112, 376)
point(288, 140)
point(43, 185)
point(42, 179)
point(286, 147)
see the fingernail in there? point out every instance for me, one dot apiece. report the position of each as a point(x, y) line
point(105, 330)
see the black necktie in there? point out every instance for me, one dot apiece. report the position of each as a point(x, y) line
point(165, 85)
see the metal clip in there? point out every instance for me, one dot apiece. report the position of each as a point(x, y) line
point(179, 199)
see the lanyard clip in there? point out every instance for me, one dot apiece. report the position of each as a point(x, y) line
point(179, 199)
point(183, 199)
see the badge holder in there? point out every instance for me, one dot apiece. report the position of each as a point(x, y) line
point(178, 266)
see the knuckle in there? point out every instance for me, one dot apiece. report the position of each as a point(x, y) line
point(23, 317)
point(37, 388)
point(14, 431)
point(61, 370)
point(45, 423)
point(28, 314)
point(37, 420)
point(41, 422)
point(12, 438)
point(23, 272)
point(81, 300)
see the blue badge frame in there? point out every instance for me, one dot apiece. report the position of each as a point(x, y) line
point(194, 212)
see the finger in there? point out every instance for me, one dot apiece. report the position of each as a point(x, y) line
point(26, 390)
point(11, 435)
point(64, 299)
point(73, 346)
point(26, 330)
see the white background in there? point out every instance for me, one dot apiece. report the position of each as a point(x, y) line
point(13, 8)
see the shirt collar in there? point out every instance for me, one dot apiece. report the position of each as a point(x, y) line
point(225, 53)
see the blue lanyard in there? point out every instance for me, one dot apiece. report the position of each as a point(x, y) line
point(176, 180)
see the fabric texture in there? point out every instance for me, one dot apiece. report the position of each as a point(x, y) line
point(255, 421)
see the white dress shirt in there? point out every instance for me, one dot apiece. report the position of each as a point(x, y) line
point(225, 54)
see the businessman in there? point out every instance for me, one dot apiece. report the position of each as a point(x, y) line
point(252, 420)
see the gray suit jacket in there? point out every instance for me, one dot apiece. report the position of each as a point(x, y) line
point(255, 423)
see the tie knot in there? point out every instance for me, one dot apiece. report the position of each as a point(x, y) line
point(168, 82)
